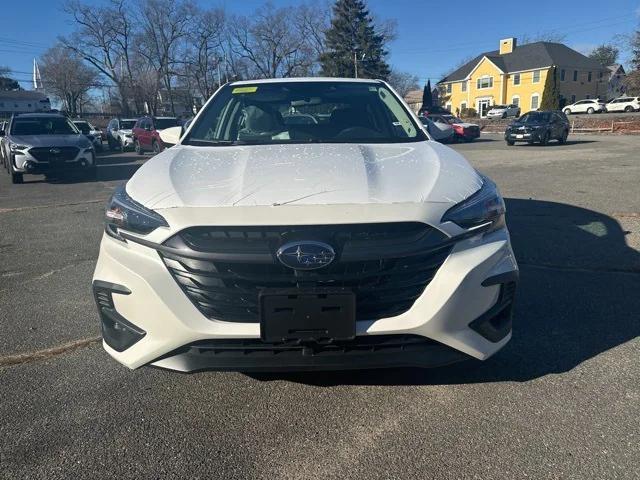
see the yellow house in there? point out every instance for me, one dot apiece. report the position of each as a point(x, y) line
point(518, 74)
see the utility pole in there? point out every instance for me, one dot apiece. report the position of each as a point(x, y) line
point(355, 63)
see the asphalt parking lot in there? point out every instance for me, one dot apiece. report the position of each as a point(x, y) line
point(562, 400)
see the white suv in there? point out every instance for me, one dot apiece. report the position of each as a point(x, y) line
point(120, 133)
point(260, 242)
point(624, 104)
point(586, 106)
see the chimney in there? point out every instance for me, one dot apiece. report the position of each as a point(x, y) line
point(507, 45)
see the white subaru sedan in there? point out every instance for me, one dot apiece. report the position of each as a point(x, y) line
point(304, 224)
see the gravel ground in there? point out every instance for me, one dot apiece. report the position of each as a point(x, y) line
point(560, 401)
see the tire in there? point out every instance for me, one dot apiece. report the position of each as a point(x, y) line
point(511, 143)
point(122, 149)
point(504, 115)
point(567, 111)
point(544, 141)
point(628, 109)
point(138, 148)
point(155, 147)
point(563, 138)
point(590, 111)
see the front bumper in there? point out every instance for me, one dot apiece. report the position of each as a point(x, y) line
point(170, 332)
point(27, 163)
point(526, 136)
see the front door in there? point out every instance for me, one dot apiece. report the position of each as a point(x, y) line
point(483, 107)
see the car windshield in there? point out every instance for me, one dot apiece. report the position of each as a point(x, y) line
point(162, 123)
point(304, 112)
point(127, 124)
point(535, 117)
point(43, 126)
point(84, 127)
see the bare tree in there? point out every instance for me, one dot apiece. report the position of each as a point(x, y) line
point(403, 82)
point(272, 43)
point(103, 38)
point(67, 77)
point(165, 24)
point(203, 66)
point(552, 36)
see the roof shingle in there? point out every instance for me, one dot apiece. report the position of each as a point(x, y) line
point(527, 57)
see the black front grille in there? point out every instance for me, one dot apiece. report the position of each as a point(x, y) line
point(223, 269)
point(359, 345)
point(54, 154)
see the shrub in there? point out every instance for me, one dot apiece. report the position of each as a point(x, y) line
point(468, 112)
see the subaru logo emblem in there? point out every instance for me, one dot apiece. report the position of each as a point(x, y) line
point(306, 255)
point(54, 151)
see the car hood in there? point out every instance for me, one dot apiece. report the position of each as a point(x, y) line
point(187, 176)
point(50, 140)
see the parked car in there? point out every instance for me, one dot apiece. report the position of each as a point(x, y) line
point(538, 126)
point(624, 104)
point(466, 132)
point(119, 134)
point(503, 111)
point(586, 106)
point(3, 126)
point(353, 242)
point(91, 132)
point(435, 109)
point(36, 143)
point(146, 133)
point(441, 132)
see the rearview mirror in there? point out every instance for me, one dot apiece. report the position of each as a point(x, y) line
point(170, 136)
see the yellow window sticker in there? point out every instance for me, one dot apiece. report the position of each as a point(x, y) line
point(244, 90)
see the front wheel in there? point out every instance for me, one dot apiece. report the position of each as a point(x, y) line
point(156, 147)
point(138, 148)
point(567, 111)
point(511, 143)
point(563, 138)
point(590, 111)
point(544, 141)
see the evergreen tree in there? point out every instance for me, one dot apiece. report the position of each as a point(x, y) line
point(550, 94)
point(352, 42)
point(427, 96)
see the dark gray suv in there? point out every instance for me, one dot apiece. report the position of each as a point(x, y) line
point(45, 143)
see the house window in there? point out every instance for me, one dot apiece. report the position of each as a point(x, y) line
point(573, 99)
point(562, 75)
point(588, 97)
point(575, 75)
point(516, 79)
point(463, 86)
point(515, 100)
point(485, 82)
point(535, 101)
point(536, 76)
point(448, 88)
point(589, 77)
point(463, 106)
point(601, 75)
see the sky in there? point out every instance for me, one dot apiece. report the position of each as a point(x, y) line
point(432, 36)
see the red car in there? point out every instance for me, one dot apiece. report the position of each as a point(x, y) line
point(467, 132)
point(146, 133)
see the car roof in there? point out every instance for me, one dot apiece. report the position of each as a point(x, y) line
point(304, 79)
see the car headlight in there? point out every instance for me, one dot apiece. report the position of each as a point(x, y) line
point(15, 147)
point(124, 213)
point(483, 210)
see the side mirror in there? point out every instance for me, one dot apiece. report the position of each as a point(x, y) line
point(170, 136)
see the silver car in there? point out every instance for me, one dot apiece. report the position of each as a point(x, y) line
point(120, 133)
point(92, 133)
point(45, 143)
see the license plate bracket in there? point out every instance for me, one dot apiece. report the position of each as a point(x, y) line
point(309, 315)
